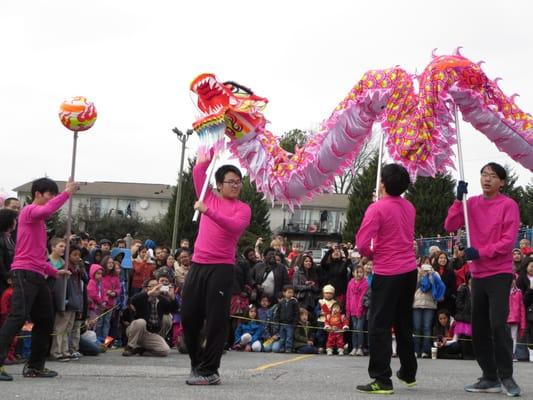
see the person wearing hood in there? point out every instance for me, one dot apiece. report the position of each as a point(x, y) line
point(94, 257)
point(97, 298)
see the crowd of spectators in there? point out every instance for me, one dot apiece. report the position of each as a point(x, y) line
point(127, 294)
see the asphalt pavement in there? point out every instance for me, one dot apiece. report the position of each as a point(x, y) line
point(245, 376)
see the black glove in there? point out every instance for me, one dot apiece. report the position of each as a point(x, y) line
point(462, 189)
point(471, 253)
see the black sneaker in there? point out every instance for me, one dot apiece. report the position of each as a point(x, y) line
point(407, 382)
point(376, 388)
point(484, 385)
point(510, 387)
point(200, 380)
point(29, 372)
point(4, 376)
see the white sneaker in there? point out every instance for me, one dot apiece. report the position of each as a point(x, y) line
point(341, 352)
point(329, 352)
point(359, 352)
point(353, 352)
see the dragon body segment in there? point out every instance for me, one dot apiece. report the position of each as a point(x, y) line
point(419, 127)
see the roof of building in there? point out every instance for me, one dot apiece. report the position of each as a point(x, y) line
point(114, 189)
point(326, 201)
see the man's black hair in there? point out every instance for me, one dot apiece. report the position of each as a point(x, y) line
point(497, 168)
point(7, 219)
point(84, 236)
point(9, 200)
point(43, 185)
point(395, 178)
point(223, 170)
point(288, 287)
point(248, 250)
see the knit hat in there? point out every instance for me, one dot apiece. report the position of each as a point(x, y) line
point(516, 249)
point(328, 289)
point(149, 244)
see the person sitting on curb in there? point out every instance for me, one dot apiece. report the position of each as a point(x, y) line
point(150, 305)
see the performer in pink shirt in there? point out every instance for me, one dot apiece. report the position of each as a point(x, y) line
point(494, 220)
point(207, 288)
point(389, 224)
point(31, 292)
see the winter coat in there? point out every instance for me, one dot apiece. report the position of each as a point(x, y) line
point(254, 328)
point(336, 273)
point(281, 278)
point(95, 290)
point(287, 312)
point(448, 277)
point(112, 282)
point(141, 272)
point(354, 298)
point(517, 310)
point(338, 321)
point(75, 289)
point(307, 295)
point(323, 309)
point(242, 279)
point(429, 291)
point(302, 334)
point(463, 304)
point(7, 252)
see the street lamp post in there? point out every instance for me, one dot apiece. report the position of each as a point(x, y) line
point(182, 137)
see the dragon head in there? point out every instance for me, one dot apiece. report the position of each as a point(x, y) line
point(229, 104)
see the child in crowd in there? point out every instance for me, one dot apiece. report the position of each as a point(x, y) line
point(322, 309)
point(113, 290)
point(355, 309)
point(177, 328)
point(369, 271)
point(463, 317)
point(97, 299)
point(270, 329)
point(64, 320)
point(287, 317)
point(447, 340)
point(517, 314)
point(336, 324)
point(303, 335)
point(57, 246)
point(249, 333)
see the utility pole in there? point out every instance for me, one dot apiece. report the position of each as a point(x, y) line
point(182, 138)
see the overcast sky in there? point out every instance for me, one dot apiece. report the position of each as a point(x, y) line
point(135, 60)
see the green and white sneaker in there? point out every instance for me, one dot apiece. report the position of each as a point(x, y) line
point(376, 388)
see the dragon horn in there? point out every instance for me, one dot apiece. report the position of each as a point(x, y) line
point(433, 55)
point(480, 62)
point(457, 51)
point(513, 96)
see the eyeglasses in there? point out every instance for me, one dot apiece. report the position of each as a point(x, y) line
point(488, 175)
point(233, 183)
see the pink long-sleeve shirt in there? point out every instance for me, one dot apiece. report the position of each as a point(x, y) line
point(494, 225)
point(390, 222)
point(30, 250)
point(221, 225)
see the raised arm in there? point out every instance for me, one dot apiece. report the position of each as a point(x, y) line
point(455, 218)
point(44, 212)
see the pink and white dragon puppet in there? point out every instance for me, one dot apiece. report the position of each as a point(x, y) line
point(419, 127)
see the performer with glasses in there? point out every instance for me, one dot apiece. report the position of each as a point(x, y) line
point(207, 288)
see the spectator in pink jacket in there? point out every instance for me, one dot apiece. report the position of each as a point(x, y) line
point(113, 289)
point(517, 314)
point(355, 310)
point(98, 299)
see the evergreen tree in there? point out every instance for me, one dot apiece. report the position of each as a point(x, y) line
point(363, 187)
point(517, 193)
point(186, 228)
point(260, 222)
point(526, 207)
point(432, 198)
